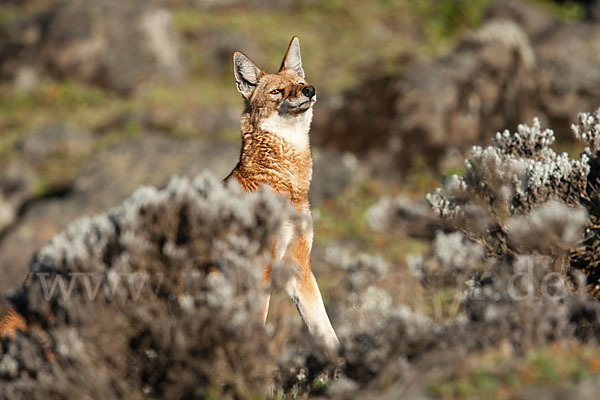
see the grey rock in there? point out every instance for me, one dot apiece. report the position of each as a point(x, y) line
point(220, 4)
point(584, 390)
point(482, 86)
point(17, 186)
point(114, 44)
point(534, 20)
point(594, 12)
point(217, 45)
point(568, 59)
point(56, 140)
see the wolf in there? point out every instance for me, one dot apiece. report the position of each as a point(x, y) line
point(276, 152)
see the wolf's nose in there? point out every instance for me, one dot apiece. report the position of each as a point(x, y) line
point(308, 91)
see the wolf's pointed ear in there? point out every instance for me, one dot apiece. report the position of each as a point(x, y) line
point(292, 60)
point(246, 74)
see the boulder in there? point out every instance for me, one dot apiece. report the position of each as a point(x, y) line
point(114, 44)
point(220, 4)
point(567, 58)
point(534, 20)
point(482, 86)
point(594, 12)
point(17, 186)
point(521, 63)
point(217, 46)
point(568, 61)
point(56, 140)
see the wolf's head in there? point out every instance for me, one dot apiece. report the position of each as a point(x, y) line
point(286, 93)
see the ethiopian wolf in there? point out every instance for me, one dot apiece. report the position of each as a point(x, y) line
point(276, 152)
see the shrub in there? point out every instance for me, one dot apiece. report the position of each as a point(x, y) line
point(516, 244)
point(176, 310)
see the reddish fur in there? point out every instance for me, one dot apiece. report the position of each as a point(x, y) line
point(301, 255)
point(267, 274)
point(11, 323)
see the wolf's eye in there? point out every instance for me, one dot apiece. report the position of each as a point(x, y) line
point(275, 91)
point(301, 83)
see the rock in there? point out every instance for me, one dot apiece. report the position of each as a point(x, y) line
point(586, 389)
point(350, 122)
point(56, 140)
point(484, 85)
point(534, 20)
point(415, 218)
point(33, 230)
point(594, 11)
point(112, 174)
point(217, 45)
point(26, 78)
point(17, 186)
point(211, 122)
point(114, 44)
point(568, 59)
point(220, 4)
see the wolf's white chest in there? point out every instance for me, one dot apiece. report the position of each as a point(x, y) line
point(293, 129)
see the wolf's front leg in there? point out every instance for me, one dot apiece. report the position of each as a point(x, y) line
point(266, 280)
point(303, 289)
point(265, 309)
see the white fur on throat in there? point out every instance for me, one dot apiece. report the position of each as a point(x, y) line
point(293, 128)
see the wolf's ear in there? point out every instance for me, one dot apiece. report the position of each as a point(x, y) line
point(246, 74)
point(292, 60)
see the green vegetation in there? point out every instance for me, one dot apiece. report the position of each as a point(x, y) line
point(500, 375)
point(447, 18)
point(6, 16)
point(565, 10)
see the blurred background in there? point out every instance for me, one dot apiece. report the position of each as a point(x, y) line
point(98, 97)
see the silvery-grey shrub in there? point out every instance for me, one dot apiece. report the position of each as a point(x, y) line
point(194, 327)
point(518, 196)
point(516, 228)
